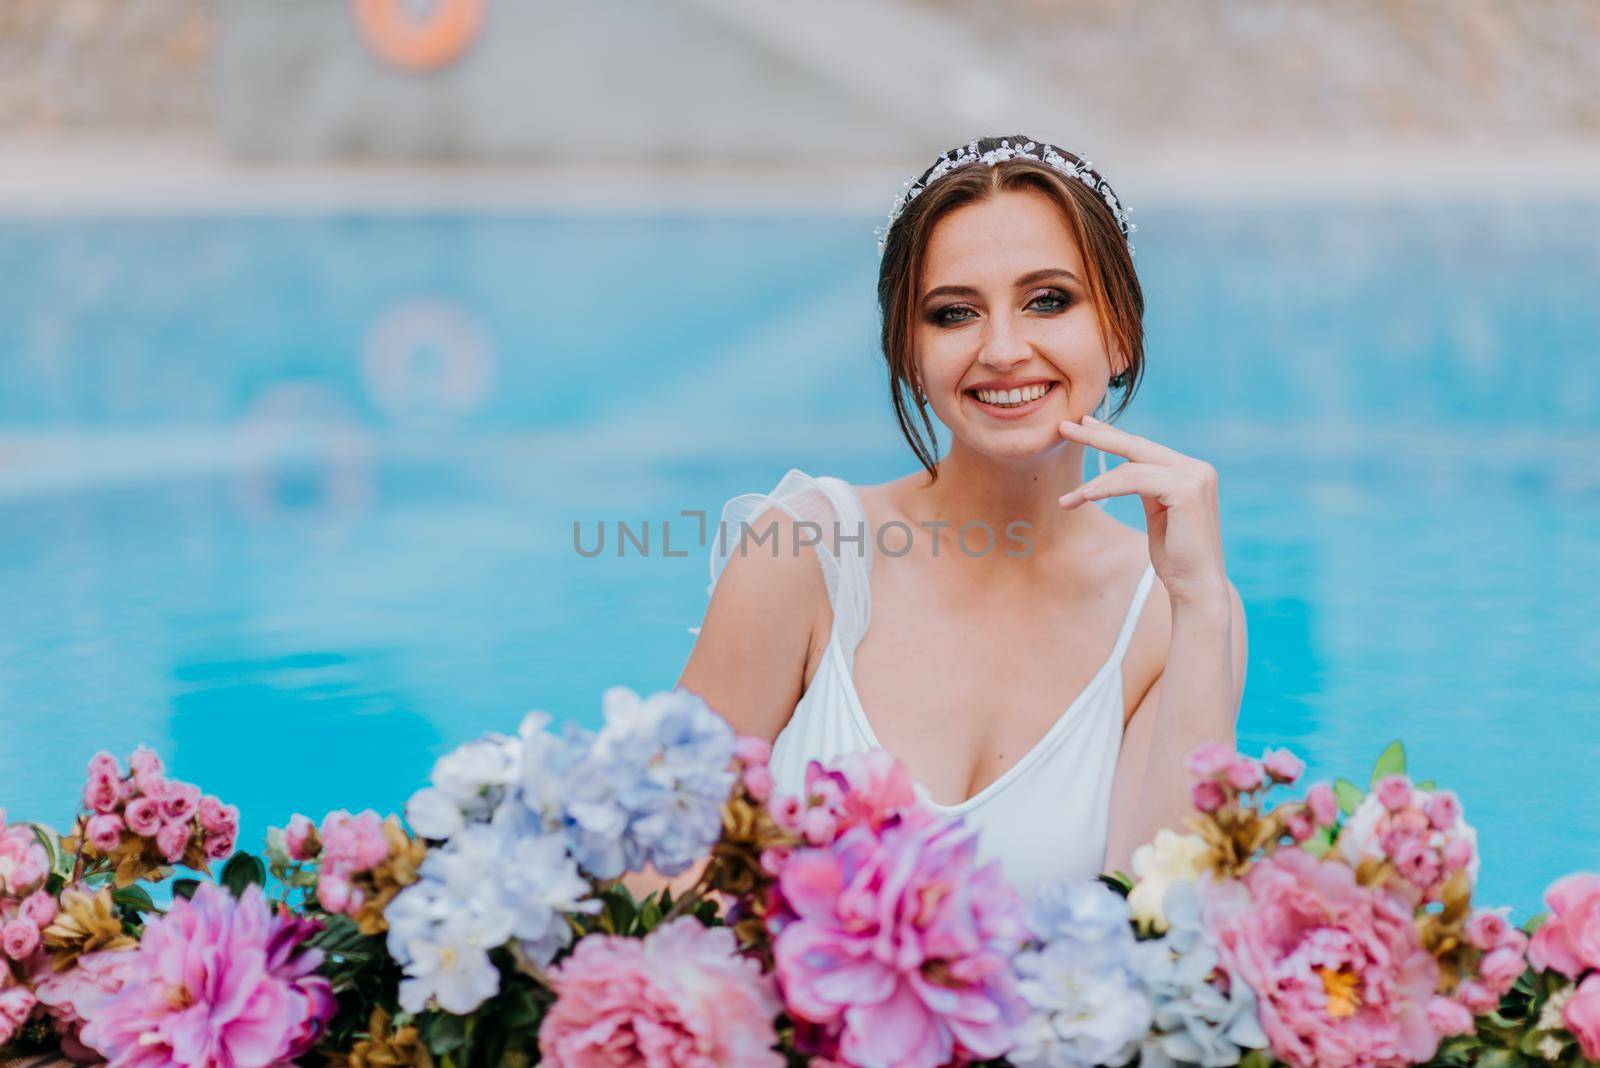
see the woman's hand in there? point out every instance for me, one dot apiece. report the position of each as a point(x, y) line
point(1180, 507)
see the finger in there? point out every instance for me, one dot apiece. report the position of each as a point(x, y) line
point(1119, 442)
point(1147, 480)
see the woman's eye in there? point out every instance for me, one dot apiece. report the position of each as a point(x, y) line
point(1053, 301)
point(949, 315)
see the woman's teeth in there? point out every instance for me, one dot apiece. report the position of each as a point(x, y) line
point(1011, 398)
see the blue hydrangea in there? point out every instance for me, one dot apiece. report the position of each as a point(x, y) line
point(1087, 1006)
point(652, 787)
point(1195, 1021)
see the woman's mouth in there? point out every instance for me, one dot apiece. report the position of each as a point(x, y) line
point(1011, 403)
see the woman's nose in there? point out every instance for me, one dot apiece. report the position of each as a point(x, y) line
point(1003, 344)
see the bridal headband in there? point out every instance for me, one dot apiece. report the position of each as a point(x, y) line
point(1080, 170)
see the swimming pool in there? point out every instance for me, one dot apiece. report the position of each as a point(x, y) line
point(292, 499)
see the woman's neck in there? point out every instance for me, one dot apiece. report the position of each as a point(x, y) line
point(972, 487)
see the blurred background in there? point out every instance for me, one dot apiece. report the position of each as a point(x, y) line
point(326, 323)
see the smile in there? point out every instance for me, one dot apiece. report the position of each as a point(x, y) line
point(1011, 403)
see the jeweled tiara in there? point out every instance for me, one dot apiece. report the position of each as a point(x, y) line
point(1080, 170)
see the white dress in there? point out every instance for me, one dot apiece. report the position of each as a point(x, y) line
point(1046, 818)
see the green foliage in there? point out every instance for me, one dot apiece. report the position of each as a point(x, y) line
point(1392, 761)
point(185, 888)
point(243, 870)
point(1349, 795)
point(1119, 881)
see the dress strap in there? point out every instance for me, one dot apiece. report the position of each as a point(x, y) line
point(828, 517)
point(1130, 622)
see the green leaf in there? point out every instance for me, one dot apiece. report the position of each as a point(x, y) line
point(135, 899)
point(1349, 795)
point(1320, 844)
point(185, 888)
point(1392, 761)
point(1500, 1058)
point(443, 1032)
point(1121, 882)
point(1427, 784)
point(241, 871)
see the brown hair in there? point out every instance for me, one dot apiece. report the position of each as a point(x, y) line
point(1113, 285)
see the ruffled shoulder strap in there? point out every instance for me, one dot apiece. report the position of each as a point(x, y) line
point(829, 523)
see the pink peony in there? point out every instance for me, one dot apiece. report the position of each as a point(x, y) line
point(19, 937)
point(1450, 1017)
point(353, 844)
point(224, 983)
point(1582, 1016)
point(864, 788)
point(143, 816)
point(75, 995)
point(1283, 765)
point(104, 832)
point(23, 862)
point(1569, 941)
point(16, 1002)
point(1324, 804)
point(899, 946)
point(1338, 970)
point(681, 998)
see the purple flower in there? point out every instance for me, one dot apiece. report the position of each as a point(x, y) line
point(222, 983)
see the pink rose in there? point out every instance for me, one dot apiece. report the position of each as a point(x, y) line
point(172, 840)
point(1300, 826)
point(104, 832)
point(1394, 792)
point(1582, 1016)
point(1211, 758)
point(1244, 774)
point(23, 863)
point(786, 812)
point(217, 818)
point(1292, 924)
point(1459, 853)
point(16, 1002)
point(1501, 968)
point(758, 782)
point(1208, 795)
point(39, 907)
point(1443, 810)
point(146, 766)
point(1324, 804)
point(19, 938)
point(1486, 930)
point(1477, 997)
point(218, 846)
point(749, 750)
point(102, 792)
point(297, 838)
point(106, 764)
point(682, 996)
point(1569, 941)
point(819, 826)
point(333, 892)
point(143, 816)
point(1450, 1017)
point(1283, 765)
point(179, 801)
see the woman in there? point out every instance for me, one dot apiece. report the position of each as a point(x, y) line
point(963, 619)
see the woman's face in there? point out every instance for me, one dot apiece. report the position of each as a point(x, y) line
point(1002, 305)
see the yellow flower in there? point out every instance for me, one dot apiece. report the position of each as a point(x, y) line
point(1171, 858)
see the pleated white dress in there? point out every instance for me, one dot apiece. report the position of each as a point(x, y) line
point(1046, 818)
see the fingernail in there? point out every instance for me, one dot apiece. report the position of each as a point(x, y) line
point(1091, 419)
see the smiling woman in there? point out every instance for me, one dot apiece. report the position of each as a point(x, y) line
point(1030, 691)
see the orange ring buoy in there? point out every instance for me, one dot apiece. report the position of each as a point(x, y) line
point(399, 35)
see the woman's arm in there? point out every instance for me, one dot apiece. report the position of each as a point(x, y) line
point(1195, 698)
point(750, 660)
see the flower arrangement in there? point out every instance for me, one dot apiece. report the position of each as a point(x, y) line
point(853, 925)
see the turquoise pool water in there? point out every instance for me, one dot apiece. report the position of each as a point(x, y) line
point(291, 499)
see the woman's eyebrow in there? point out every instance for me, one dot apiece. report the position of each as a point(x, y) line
point(1026, 280)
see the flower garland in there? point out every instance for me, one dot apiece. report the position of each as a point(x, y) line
point(851, 926)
